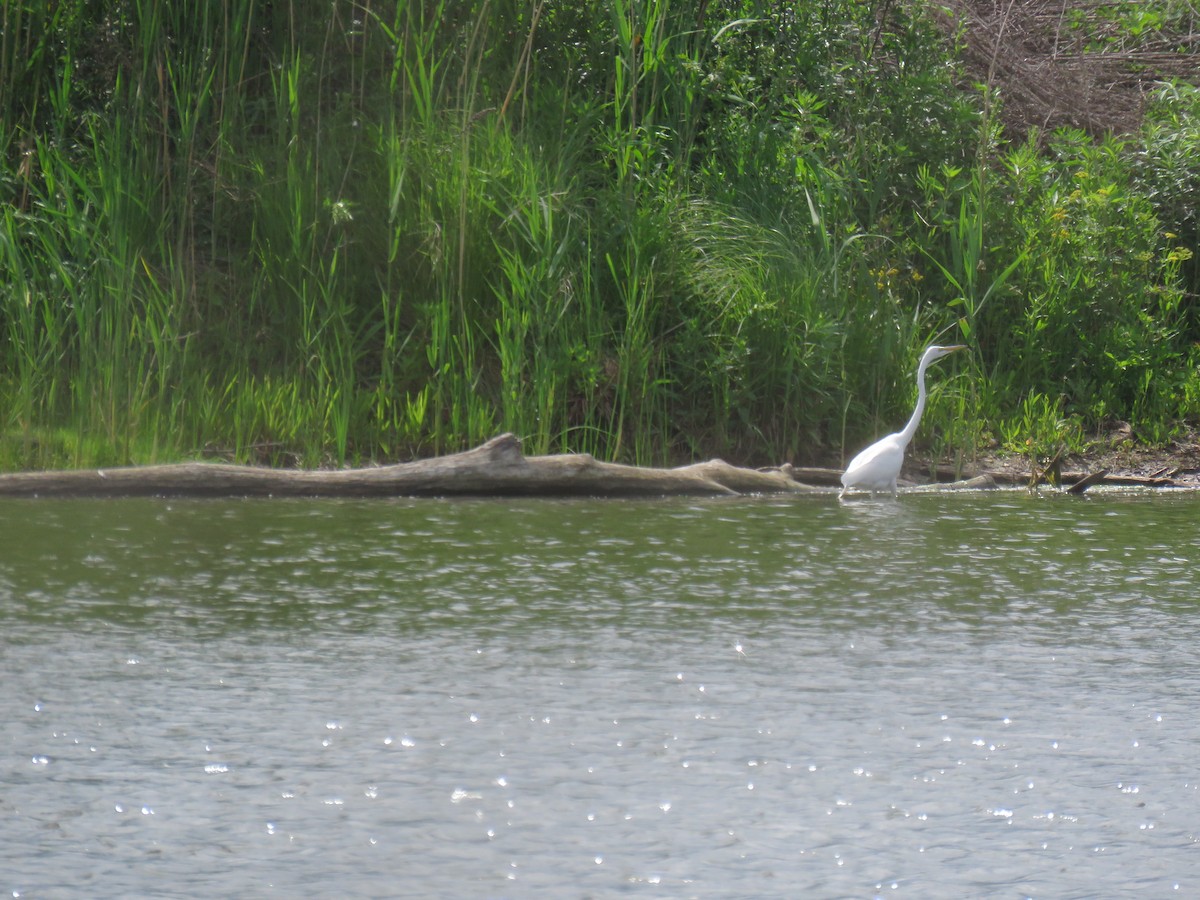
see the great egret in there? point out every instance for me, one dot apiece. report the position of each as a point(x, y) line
point(878, 467)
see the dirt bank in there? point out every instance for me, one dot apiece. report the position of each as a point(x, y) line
point(1115, 453)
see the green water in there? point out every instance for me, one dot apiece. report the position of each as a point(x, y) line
point(965, 695)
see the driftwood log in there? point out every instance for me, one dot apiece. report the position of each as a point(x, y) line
point(1076, 481)
point(497, 468)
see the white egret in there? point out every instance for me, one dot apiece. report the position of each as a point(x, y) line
point(878, 467)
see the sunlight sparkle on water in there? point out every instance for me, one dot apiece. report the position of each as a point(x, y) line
point(290, 621)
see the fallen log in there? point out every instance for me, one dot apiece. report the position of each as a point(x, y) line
point(496, 468)
point(1087, 481)
point(815, 474)
point(983, 482)
point(1070, 478)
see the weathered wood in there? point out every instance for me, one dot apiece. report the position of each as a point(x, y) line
point(1073, 477)
point(496, 468)
point(983, 482)
point(1087, 481)
point(814, 474)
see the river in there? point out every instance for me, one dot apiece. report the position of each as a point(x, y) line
point(938, 696)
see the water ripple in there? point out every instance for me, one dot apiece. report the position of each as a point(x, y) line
point(932, 697)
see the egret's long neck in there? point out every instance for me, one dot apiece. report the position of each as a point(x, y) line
point(911, 428)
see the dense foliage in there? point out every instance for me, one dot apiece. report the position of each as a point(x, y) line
point(648, 229)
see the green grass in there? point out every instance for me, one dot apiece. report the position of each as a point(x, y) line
point(323, 234)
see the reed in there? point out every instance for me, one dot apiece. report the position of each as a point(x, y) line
point(322, 233)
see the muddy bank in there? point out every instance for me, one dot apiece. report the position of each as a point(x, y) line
point(1115, 454)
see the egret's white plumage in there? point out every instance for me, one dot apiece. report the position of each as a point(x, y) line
point(878, 467)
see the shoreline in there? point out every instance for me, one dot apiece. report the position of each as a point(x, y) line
point(1116, 454)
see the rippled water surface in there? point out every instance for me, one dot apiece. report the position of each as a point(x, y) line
point(944, 696)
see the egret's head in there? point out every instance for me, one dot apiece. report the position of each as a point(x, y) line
point(937, 352)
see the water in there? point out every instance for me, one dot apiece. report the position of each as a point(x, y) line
point(945, 696)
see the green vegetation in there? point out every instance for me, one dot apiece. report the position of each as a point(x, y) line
point(651, 230)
